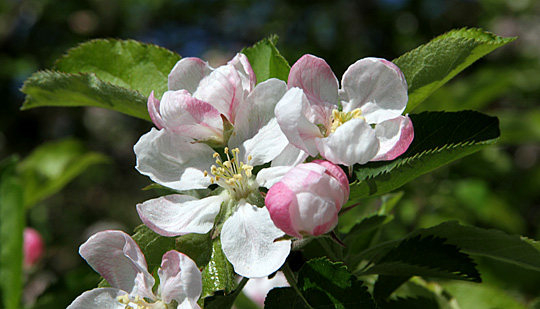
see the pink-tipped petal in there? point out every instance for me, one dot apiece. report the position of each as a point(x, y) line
point(316, 78)
point(191, 117)
point(337, 173)
point(33, 246)
point(315, 215)
point(187, 74)
point(103, 298)
point(153, 110)
point(353, 142)
point(395, 136)
point(180, 279)
point(118, 259)
point(173, 160)
point(247, 240)
point(290, 113)
point(177, 214)
point(278, 202)
point(241, 63)
point(375, 87)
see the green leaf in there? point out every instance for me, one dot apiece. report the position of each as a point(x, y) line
point(266, 60)
point(197, 246)
point(11, 234)
point(220, 300)
point(360, 237)
point(324, 285)
point(426, 256)
point(431, 65)
point(481, 296)
point(439, 138)
point(490, 243)
point(128, 64)
point(53, 165)
point(218, 274)
point(50, 88)
point(152, 245)
point(410, 303)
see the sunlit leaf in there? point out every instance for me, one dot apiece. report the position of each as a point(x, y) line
point(53, 165)
point(266, 60)
point(481, 296)
point(439, 138)
point(218, 274)
point(128, 64)
point(431, 65)
point(152, 245)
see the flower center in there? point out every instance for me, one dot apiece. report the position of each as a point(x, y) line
point(139, 303)
point(338, 118)
point(232, 174)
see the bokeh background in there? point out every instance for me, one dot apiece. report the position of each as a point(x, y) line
point(496, 188)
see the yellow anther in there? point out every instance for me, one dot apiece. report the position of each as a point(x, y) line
point(249, 158)
point(226, 150)
point(205, 173)
point(215, 155)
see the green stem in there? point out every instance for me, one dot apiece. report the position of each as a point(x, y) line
point(327, 249)
point(287, 271)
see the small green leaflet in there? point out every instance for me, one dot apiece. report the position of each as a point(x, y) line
point(128, 64)
point(431, 65)
point(323, 284)
point(218, 274)
point(493, 244)
point(266, 60)
point(152, 245)
point(51, 88)
point(439, 138)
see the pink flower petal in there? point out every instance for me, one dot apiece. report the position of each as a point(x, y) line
point(103, 298)
point(395, 136)
point(118, 259)
point(180, 279)
point(153, 110)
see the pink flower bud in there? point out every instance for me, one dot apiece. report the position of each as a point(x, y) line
point(33, 246)
point(306, 201)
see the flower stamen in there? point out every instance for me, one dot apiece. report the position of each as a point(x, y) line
point(232, 174)
point(338, 118)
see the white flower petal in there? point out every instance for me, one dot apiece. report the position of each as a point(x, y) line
point(352, 142)
point(177, 214)
point(173, 160)
point(247, 240)
point(118, 259)
point(267, 177)
point(395, 136)
point(290, 113)
point(180, 279)
point(290, 156)
point(153, 110)
point(103, 298)
point(375, 86)
point(241, 63)
point(188, 73)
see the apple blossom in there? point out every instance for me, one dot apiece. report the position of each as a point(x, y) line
point(307, 200)
point(203, 102)
point(183, 159)
point(32, 245)
point(358, 123)
point(119, 260)
point(257, 289)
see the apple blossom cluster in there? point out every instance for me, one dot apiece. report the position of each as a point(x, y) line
point(221, 134)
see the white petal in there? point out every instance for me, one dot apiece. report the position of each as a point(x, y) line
point(118, 259)
point(375, 86)
point(104, 298)
point(267, 177)
point(290, 156)
point(257, 289)
point(299, 130)
point(177, 214)
point(395, 136)
point(188, 73)
point(173, 160)
point(180, 278)
point(247, 240)
point(352, 142)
